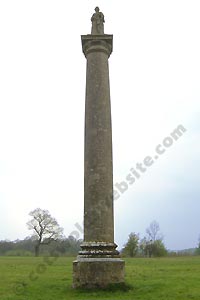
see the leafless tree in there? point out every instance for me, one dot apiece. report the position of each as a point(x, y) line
point(45, 228)
point(153, 232)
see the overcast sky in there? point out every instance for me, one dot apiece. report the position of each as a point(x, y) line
point(155, 86)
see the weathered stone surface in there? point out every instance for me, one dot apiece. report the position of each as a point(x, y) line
point(97, 43)
point(98, 207)
point(98, 249)
point(97, 273)
point(97, 22)
point(98, 263)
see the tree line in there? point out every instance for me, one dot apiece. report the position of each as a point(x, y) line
point(152, 245)
point(47, 238)
point(63, 247)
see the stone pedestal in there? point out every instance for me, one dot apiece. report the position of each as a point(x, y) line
point(98, 263)
point(97, 272)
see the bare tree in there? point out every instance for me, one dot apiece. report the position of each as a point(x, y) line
point(153, 232)
point(45, 228)
point(153, 245)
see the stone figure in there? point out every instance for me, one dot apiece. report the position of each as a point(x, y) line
point(97, 22)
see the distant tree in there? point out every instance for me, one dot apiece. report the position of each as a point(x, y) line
point(45, 228)
point(158, 248)
point(146, 247)
point(143, 249)
point(153, 232)
point(197, 250)
point(131, 247)
point(152, 245)
point(73, 244)
point(150, 248)
point(6, 246)
point(67, 246)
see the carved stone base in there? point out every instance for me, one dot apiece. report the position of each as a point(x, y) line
point(98, 250)
point(97, 272)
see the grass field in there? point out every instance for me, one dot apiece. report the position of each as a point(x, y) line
point(28, 278)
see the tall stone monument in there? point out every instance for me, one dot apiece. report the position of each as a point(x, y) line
point(98, 263)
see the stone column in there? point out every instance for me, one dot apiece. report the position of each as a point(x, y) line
point(98, 263)
point(98, 179)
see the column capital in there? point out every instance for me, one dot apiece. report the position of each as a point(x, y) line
point(97, 43)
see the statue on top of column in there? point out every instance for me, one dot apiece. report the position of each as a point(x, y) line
point(97, 22)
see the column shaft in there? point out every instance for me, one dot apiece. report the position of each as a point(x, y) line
point(98, 177)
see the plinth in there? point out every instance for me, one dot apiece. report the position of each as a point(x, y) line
point(98, 263)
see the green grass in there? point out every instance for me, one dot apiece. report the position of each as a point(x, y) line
point(29, 278)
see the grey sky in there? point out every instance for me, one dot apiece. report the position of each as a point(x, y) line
point(154, 77)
